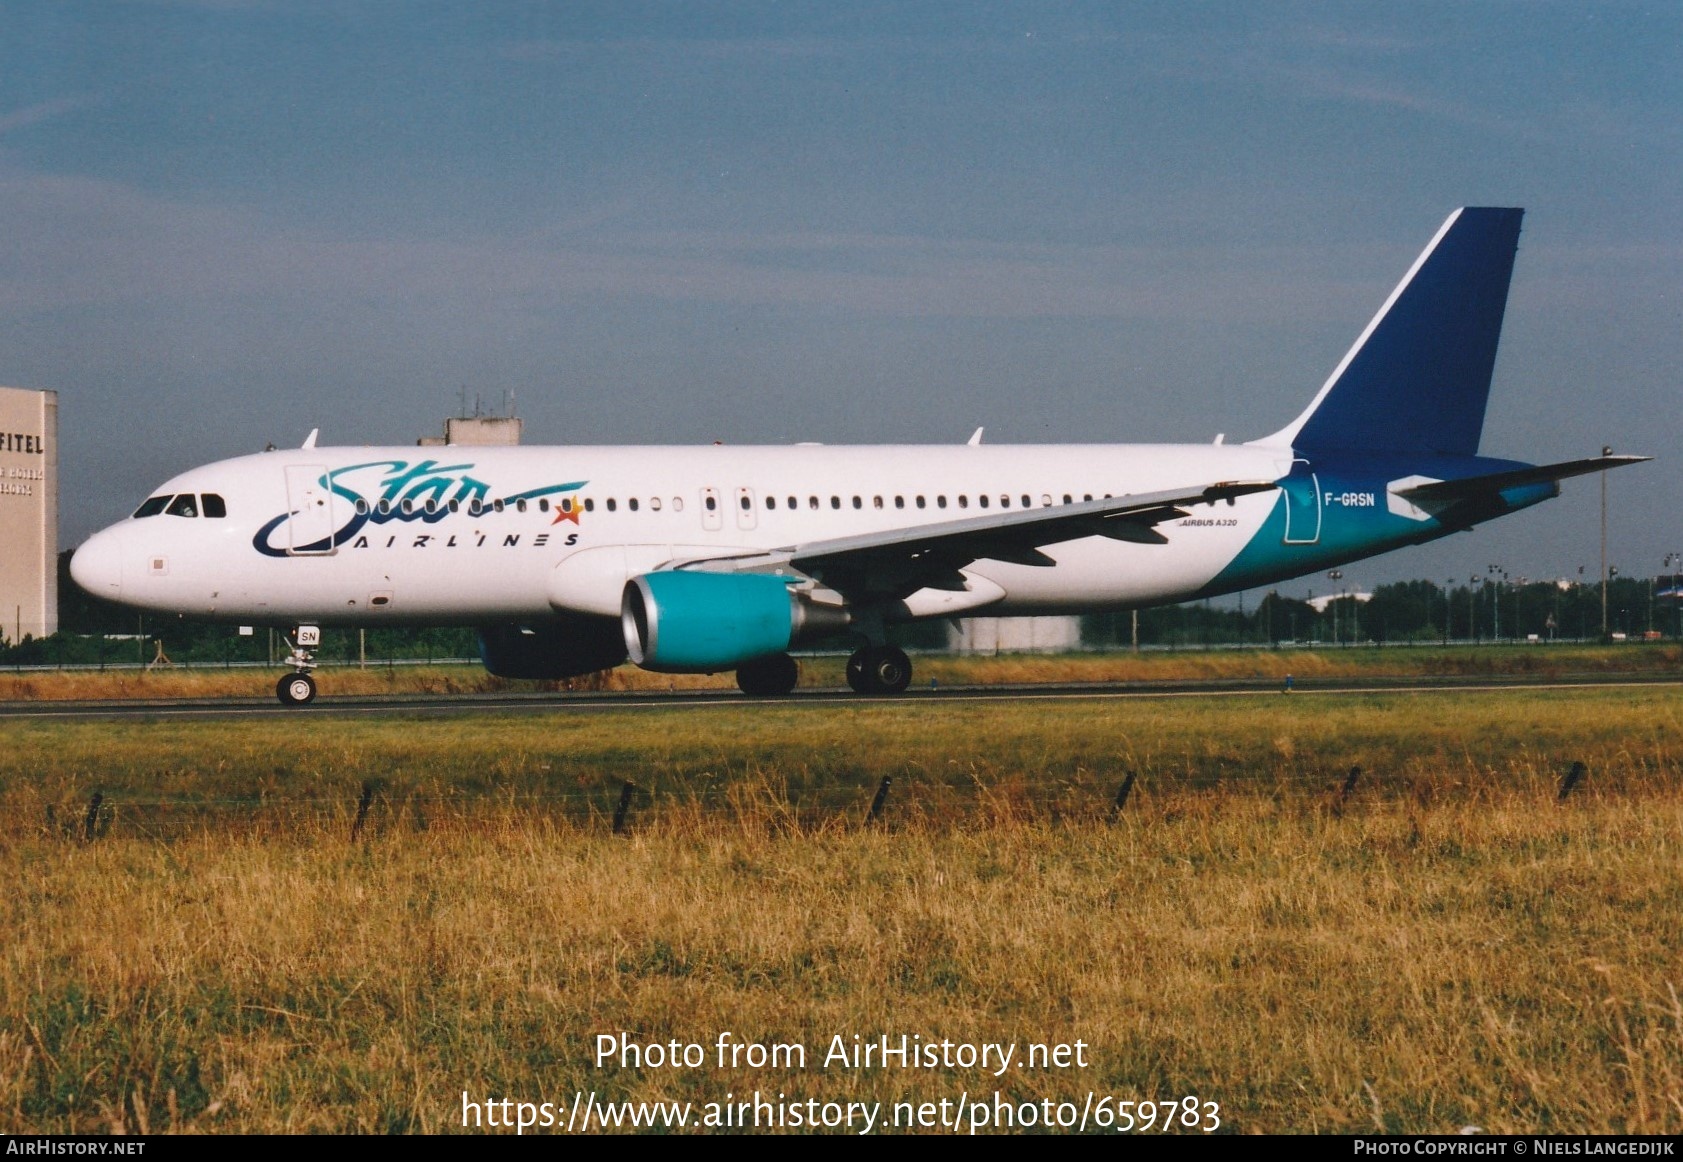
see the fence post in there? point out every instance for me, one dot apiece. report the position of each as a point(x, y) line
point(1349, 784)
point(1572, 779)
point(1122, 796)
point(877, 803)
point(624, 806)
point(92, 821)
point(362, 810)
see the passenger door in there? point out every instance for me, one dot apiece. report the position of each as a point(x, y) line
point(746, 517)
point(311, 525)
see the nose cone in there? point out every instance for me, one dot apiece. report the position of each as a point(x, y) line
point(98, 566)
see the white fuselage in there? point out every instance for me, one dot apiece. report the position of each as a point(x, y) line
point(560, 529)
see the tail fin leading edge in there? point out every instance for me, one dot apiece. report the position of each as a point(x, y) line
point(1418, 378)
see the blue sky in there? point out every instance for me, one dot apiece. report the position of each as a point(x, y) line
point(228, 223)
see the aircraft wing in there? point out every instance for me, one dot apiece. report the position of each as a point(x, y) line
point(895, 563)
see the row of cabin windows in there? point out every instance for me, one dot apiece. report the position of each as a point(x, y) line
point(812, 502)
point(209, 504)
point(963, 499)
point(633, 504)
point(475, 507)
point(185, 504)
point(213, 506)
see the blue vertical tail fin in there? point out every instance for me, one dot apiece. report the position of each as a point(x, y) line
point(1418, 378)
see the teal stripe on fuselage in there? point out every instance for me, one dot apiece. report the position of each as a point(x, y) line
point(1356, 520)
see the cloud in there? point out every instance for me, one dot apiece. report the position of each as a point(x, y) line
point(544, 50)
point(1360, 68)
point(41, 111)
point(85, 243)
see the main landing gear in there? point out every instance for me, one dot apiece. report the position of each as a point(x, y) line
point(870, 670)
point(298, 688)
point(879, 670)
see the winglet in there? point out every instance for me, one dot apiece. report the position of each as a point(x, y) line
point(310, 440)
point(975, 438)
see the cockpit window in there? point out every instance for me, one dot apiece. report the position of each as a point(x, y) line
point(184, 505)
point(152, 507)
point(213, 506)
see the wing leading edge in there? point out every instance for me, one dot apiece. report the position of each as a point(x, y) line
point(1475, 487)
point(1471, 500)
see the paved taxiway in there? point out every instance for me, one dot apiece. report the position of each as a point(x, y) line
point(448, 705)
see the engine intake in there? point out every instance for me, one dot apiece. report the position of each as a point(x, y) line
point(676, 621)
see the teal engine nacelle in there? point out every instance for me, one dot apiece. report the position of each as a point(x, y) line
point(680, 622)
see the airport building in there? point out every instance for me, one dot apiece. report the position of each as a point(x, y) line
point(1014, 635)
point(494, 431)
point(28, 514)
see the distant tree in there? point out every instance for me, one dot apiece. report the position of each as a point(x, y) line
point(1404, 611)
point(1284, 619)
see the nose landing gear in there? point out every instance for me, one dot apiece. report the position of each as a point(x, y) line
point(298, 688)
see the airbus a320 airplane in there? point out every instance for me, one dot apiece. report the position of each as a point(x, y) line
point(705, 559)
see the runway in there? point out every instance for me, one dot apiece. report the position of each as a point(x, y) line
point(461, 705)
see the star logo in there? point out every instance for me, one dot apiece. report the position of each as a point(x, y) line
point(567, 508)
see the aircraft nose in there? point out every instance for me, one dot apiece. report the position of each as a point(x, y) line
point(97, 566)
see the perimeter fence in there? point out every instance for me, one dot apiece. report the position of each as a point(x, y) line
point(375, 809)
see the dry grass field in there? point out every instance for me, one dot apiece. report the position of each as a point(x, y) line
point(208, 949)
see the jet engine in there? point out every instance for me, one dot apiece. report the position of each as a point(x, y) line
point(678, 621)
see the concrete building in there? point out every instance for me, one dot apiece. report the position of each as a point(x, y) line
point(1014, 635)
point(476, 430)
point(1319, 604)
point(28, 513)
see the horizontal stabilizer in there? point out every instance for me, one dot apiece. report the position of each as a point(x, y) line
point(1473, 487)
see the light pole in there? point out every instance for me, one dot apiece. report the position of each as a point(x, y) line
point(1495, 605)
point(1606, 450)
point(1448, 610)
point(1578, 600)
point(1672, 562)
point(1334, 575)
point(1676, 604)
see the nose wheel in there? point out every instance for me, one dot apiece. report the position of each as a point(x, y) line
point(879, 670)
point(296, 690)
